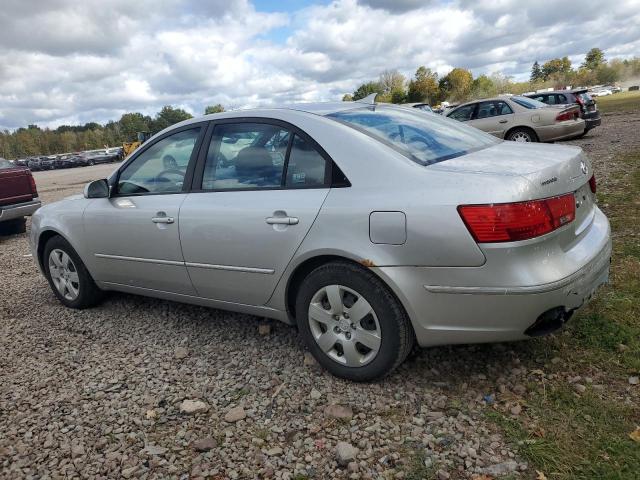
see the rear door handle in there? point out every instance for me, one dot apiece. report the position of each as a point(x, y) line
point(282, 220)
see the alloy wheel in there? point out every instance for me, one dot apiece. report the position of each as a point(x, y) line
point(64, 274)
point(344, 325)
point(521, 137)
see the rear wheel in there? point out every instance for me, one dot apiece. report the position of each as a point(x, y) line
point(68, 277)
point(352, 323)
point(522, 135)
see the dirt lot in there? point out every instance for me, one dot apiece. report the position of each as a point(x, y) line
point(97, 393)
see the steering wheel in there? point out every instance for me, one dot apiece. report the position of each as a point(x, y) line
point(161, 176)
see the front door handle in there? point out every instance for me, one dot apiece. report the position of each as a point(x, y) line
point(502, 121)
point(161, 217)
point(282, 220)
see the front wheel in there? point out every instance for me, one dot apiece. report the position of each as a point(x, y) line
point(522, 135)
point(351, 323)
point(68, 277)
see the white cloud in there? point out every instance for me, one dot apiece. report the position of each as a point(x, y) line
point(64, 61)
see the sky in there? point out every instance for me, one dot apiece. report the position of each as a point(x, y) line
point(77, 61)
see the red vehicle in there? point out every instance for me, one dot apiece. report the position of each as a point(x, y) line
point(18, 197)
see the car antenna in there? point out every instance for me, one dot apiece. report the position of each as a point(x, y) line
point(369, 99)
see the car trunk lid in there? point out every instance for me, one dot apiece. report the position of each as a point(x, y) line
point(551, 170)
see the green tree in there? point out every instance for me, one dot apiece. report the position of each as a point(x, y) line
point(217, 108)
point(367, 89)
point(607, 74)
point(536, 72)
point(483, 87)
point(167, 117)
point(347, 97)
point(392, 84)
point(594, 59)
point(456, 85)
point(132, 123)
point(557, 67)
point(424, 86)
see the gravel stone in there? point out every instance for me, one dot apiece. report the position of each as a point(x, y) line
point(180, 353)
point(338, 411)
point(345, 453)
point(204, 444)
point(235, 414)
point(191, 407)
point(634, 380)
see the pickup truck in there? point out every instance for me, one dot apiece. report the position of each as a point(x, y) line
point(18, 197)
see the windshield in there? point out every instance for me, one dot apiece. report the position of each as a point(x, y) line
point(425, 139)
point(528, 102)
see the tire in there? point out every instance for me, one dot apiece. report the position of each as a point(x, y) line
point(91, 163)
point(81, 291)
point(386, 326)
point(13, 227)
point(522, 135)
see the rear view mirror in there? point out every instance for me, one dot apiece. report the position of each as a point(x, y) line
point(97, 189)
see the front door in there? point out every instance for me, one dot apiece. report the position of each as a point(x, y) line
point(134, 235)
point(261, 188)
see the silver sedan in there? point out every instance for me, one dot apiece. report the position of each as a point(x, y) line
point(370, 227)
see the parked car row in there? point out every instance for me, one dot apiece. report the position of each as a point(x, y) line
point(70, 160)
point(521, 119)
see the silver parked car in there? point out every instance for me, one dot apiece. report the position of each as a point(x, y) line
point(521, 119)
point(371, 227)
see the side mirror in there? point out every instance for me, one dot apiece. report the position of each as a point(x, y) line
point(97, 189)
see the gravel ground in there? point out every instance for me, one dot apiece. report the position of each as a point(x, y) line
point(142, 388)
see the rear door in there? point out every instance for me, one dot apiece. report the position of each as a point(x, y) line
point(494, 117)
point(133, 236)
point(257, 191)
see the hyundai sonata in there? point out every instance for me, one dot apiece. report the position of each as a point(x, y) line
point(370, 227)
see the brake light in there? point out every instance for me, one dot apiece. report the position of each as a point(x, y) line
point(592, 183)
point(510, 222)
point(564, 116)
point(32, 183)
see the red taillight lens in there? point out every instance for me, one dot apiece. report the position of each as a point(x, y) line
point(510, 222)
point(564, 116)
point(32, 182)
point(592, 183)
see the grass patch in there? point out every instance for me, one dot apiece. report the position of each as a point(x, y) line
point(586, 436)
point(623, 101)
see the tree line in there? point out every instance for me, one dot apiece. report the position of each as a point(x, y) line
point(459, 84)
point(33, 140)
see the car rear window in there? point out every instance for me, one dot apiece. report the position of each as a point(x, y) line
point(528, 102)
point(585, 97)
point(425, 139)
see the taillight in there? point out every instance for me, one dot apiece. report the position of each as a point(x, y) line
point(510, 222)
point(592, 183)
point(569, 115)
point(32, 183)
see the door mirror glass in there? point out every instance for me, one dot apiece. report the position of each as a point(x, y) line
point(97, 189)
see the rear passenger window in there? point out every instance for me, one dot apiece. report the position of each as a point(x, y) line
point(562, 98)
point(306, 167)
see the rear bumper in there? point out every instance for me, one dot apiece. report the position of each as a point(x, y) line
point(10, 212)
point(560, 131)
point(590, 123)
point(498, 302)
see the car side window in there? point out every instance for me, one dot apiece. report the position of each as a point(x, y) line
point(161, 168)
point(462, 114)
point(245, 156)
point(542, 98)
point(562, 99)
point(306, 166)
point(503, 108)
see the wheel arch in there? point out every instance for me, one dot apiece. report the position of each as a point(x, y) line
point(308, 265)
point(522, 127)
point(44, 236)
